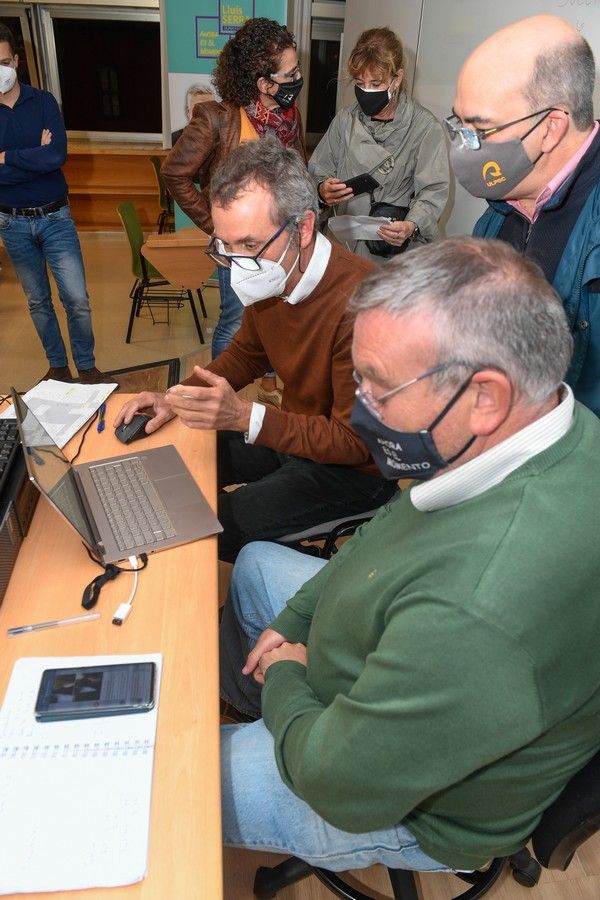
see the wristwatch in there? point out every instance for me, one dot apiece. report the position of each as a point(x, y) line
point(415, 233)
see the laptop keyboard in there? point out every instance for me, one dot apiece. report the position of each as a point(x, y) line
point(135, 512)
point(9, 447)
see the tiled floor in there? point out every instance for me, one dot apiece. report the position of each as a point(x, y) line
point(108, 270)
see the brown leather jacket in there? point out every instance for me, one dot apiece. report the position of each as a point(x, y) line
point(212, 134)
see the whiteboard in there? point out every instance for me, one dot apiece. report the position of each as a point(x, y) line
point(446, 31)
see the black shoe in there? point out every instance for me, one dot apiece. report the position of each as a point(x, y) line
point(59, 373)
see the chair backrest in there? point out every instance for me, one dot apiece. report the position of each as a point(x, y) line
point(571, 819)
point(163, 195)
point(135, 235)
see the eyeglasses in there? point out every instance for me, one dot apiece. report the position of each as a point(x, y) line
point(216, 250)
point(294, 75)
point(472, 137)
point(374, 404)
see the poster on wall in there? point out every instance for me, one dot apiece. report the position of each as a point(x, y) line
point(197, 31)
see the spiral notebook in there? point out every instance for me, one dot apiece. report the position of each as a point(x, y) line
point(74, 796)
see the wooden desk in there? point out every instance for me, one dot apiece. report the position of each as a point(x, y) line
point(175, 613)
point(179, 256)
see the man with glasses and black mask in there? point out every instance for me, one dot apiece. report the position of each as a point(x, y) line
point(303, 464)
point(523, 137)
point(432, 688)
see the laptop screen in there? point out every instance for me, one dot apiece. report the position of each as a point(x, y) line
point(49, 469)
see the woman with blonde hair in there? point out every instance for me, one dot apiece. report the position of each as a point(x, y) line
point(394, 139)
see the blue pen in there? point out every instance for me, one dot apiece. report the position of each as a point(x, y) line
point(101, 412)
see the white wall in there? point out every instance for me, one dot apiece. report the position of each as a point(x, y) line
point(403, 16)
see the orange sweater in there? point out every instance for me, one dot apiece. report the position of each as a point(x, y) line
point(309, 347)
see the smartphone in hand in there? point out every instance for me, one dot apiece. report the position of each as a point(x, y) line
point(362, 184)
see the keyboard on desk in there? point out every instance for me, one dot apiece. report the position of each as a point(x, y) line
point(9, 448)
point(135, 512)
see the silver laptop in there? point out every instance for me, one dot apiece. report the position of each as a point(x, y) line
point(123, 506)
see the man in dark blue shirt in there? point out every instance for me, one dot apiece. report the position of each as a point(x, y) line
point(36, 227)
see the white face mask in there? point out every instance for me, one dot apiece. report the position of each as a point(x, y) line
point(8, 77)
point(261, 284)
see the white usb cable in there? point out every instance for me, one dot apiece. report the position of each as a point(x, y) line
point(122, 612)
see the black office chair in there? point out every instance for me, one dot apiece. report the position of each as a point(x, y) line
point(328, 532)
point(566, 824)
point(149, 286)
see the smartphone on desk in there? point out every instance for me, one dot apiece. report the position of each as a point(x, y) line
point(90, 691)
point(362, 184)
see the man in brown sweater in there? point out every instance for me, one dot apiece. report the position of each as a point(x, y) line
point(302, 464)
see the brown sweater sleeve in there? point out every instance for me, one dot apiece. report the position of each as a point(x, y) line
point(325, 438)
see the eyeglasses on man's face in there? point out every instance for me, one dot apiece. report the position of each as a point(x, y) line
point(375, 404)
point(472, 137)
point(216, 250)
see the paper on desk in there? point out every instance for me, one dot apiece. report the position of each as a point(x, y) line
point(74, 796)
point(63, 408)
point(357, 228)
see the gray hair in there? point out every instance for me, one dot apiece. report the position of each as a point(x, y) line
point(197, 88)
point(279, 170)
point(490, 306)
point(564, 75)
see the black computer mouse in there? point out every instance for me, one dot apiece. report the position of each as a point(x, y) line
point(134, 430)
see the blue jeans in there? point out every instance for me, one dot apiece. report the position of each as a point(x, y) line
point(51, 240)
point(230, 314)
point(259, 811)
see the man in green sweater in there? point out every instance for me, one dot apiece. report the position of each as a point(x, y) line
point(428, 692)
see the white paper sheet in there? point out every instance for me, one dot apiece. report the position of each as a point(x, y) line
point(74, 796)
point(357, 228)
point(63, 408)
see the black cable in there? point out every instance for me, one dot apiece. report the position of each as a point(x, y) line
point(87, 428)
point(91, 592)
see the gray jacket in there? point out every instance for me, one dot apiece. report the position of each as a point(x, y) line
point(407, 156)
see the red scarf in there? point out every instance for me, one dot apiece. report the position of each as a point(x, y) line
point(283, 123)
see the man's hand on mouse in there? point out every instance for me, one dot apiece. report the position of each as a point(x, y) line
point(212, 405)
point(146, 400)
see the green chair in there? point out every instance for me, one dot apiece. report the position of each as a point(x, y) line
point(166, 220)
point(149, 286)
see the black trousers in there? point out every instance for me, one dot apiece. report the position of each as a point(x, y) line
point(281, 494)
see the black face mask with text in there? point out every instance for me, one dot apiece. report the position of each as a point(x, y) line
point(404, 454)
point(287, 93)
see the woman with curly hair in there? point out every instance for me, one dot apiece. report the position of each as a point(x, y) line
point(258, 79)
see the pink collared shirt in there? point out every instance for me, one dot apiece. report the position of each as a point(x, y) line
point(558, 180)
